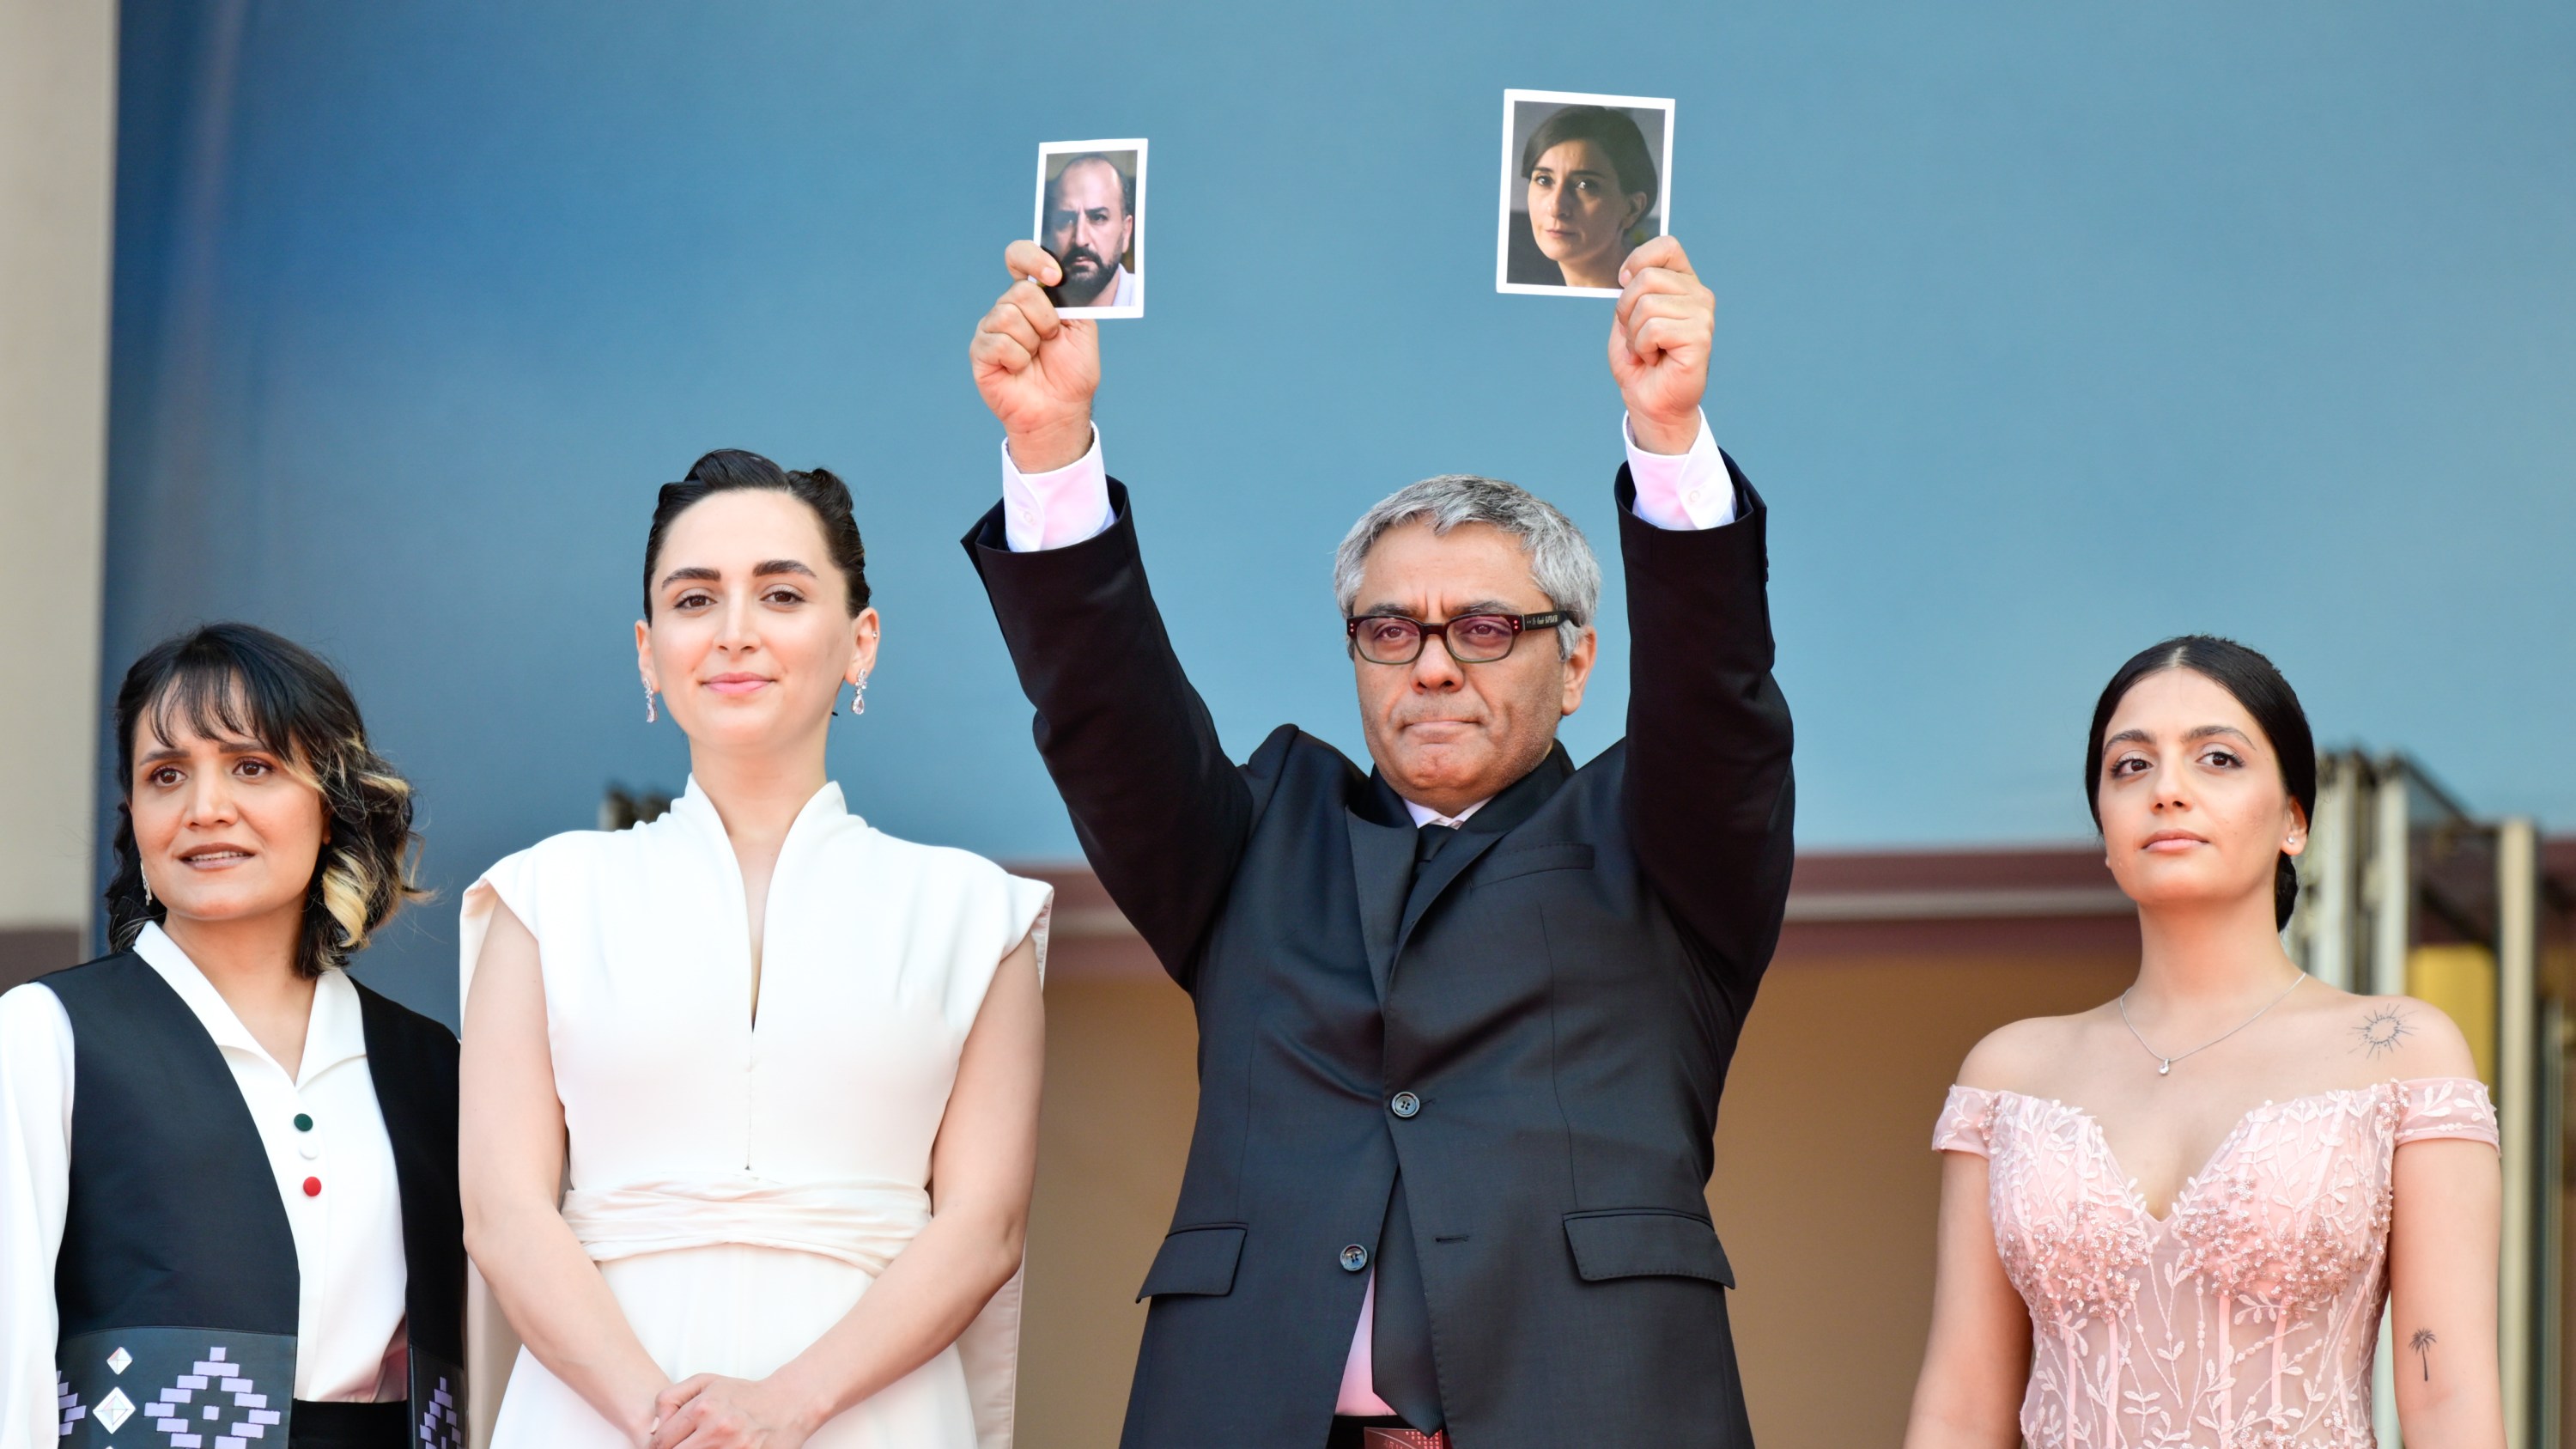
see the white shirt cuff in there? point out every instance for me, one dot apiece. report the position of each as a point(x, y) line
point(1051, 510)
point(1680, 492)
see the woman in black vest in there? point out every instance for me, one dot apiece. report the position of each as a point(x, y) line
point(228, 1214)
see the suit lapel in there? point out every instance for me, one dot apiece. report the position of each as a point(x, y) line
point(1382, 864)
point(1393, 895)
point(1499, 818)
point(1434, 878)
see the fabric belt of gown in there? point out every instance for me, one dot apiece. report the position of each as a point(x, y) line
point(861, 1223)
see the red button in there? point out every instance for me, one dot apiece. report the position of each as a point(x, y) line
point(312, 1187)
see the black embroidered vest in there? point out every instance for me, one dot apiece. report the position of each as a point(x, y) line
point(177, 1279)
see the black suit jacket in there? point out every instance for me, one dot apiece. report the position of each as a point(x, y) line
point(1562, 989)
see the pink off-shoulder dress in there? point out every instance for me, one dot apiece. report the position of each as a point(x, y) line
point(2247, 1318)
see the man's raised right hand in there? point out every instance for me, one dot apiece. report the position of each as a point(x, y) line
point(1037, 370)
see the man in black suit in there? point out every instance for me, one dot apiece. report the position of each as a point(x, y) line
point(1464, 1020)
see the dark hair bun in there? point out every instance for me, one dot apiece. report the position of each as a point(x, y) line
point(727, 470)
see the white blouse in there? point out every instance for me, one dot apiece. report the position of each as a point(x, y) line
point(350, 1343)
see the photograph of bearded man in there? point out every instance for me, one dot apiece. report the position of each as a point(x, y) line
point(1090, 219)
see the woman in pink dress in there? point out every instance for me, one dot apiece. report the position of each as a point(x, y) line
point(2174, 1220)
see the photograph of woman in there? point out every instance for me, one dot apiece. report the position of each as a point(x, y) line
point(789, 1065)
point(2173, 1220)
point(227, 1171)
point(1584, 185)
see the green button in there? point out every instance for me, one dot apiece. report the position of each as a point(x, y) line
point(303, 1123)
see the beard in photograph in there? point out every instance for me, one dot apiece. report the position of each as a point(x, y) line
point(1090, 223)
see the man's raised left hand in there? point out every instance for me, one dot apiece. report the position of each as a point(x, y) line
point(1659, 345)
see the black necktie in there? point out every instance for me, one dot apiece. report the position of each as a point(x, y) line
point(1400, 1366)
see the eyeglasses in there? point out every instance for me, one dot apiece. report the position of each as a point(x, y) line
point(1469, 638)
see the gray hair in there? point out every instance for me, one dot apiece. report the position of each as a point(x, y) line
point(1561, 560)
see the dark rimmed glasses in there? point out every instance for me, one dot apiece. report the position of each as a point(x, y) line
point(1469, 638)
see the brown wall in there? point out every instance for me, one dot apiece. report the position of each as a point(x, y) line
point(1826, 1183)
point(1824, 1195)
point(1122, 1087)
point(28, 954)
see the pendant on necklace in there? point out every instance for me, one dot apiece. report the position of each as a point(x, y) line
point(2166, 1067)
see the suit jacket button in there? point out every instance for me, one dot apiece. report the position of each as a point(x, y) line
point(1405, 1104)
point(1354, 1258)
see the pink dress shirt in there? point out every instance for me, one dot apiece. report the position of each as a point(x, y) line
point(1071, 504)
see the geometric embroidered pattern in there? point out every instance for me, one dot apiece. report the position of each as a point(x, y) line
point(187, 1421)
point(68, 1405)
point(2247, 1316)
point(440, 1426)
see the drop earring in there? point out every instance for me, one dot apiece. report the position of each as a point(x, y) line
point(147, 886)
point(649, 716)
point(859, 696)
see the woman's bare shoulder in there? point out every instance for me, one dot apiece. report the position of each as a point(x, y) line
point(2358, 1040)
point(2019, 1056)
point(2401, 1037)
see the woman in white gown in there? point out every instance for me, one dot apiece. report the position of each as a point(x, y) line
point(791, 1063)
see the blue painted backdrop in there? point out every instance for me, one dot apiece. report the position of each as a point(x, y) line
point(2046, 329)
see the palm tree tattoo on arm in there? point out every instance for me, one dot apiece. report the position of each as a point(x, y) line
point(2422, 1343)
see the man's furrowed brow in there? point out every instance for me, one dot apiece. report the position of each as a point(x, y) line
point(1477, 606)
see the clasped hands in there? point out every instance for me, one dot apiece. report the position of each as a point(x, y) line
point(710, 1411)
point(1038, 370)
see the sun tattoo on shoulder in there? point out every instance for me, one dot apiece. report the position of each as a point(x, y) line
point(2381, 1031)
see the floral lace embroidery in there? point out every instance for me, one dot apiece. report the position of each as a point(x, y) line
point(2248, 1318)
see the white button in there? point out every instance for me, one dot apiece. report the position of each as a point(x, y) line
point(309, 1149)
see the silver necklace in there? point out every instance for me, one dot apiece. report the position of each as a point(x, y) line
point(2164, 1064)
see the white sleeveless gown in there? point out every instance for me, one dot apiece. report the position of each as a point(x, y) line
point(741, 1184)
